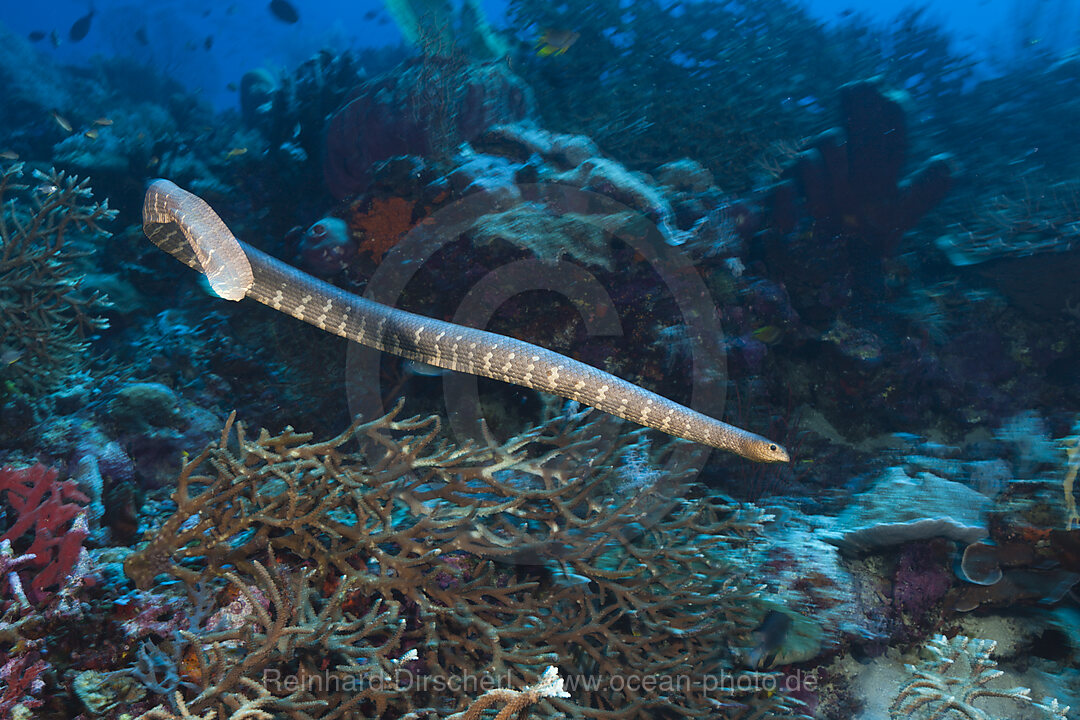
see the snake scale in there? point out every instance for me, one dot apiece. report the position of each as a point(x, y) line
point(183, 225)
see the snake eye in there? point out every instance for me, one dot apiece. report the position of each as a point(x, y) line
point(773, 448)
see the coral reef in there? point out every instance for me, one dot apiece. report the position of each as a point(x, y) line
point(663, 65)
point(43, 569)
point(291, 110)
point(910, 332)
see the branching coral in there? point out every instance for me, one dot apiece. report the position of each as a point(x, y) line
point(42, 565)
point(414, 576)
point(44, 314)
point(50, 512)
point(957, 675)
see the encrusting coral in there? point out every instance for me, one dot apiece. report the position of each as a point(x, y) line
point(418, 574)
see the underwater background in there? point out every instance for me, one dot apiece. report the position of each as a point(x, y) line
point(847, 237)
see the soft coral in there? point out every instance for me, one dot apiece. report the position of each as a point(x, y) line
point(52, 510)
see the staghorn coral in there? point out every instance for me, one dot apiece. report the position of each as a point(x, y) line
point(956, 676)
point(360, 584)
point(46, 315)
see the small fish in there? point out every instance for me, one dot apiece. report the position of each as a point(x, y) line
point(103, 121)
point(91, 134)
point(37, 36)
point(140, 35)
point(208, 42)
point(768, 334)
point(556, 42)
point(562, 575)
point(9, 356)
point(153, 161)
point(231, 87)
point(54, 39)
point(81, 27)
point(206, 13)
point(284, 11)
point(371, 15)
point(422, 369)
point(9, 155)
point(61, 121)
point(235, 152)
point(769, 636)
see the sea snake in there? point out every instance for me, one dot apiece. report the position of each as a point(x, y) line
point(183, 225)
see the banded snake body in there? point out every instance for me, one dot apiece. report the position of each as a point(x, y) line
point(185, 226)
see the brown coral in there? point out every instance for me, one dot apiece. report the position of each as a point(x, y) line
point(416, 575)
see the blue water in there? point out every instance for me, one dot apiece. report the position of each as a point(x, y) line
point(246, 35)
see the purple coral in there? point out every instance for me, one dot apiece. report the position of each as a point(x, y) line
point(921, 580)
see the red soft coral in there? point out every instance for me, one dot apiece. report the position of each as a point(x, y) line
point(51, 510)
point(20, 680)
